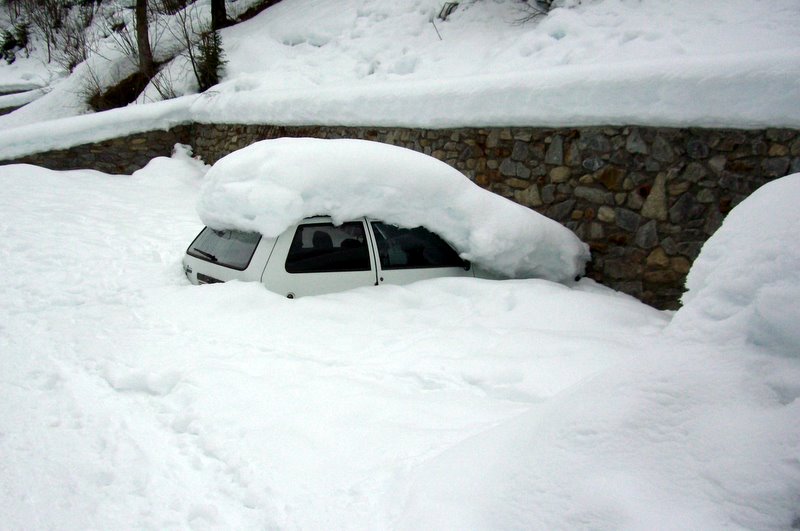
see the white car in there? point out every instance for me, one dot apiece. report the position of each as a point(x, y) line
point(315, 256)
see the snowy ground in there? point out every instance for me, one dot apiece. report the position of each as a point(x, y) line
point(717, 63)
point(130, 398)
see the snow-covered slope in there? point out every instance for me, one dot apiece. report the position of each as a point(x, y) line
point(362, 62)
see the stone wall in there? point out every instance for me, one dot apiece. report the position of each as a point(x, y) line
point(122, 155)
point(645, 199)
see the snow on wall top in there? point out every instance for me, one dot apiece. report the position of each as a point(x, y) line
point(746, 282)
point(683, 63)
point(270, 185)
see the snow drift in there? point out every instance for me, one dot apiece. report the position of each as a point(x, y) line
point(273, 184)
point(128, 395)
point(745, 284)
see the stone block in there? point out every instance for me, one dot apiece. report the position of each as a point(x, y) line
point(594, 141)
point(635, 143)
point(606, 214)
point(694, 172)
point(612, 177)
point(594, 195)
point(519, 184)
point(658, 259)
point(685, 209)
point(529, 196)
point(560, 174)
point(775, 167)
point(621, 269)
point(647, 235)
point(562, 210)
point(572, 155)
point(706, 195)
point(555, 152)
point(493, 138)
point(595, 231)
point(520, 151)
point(780, 135)
point(677, 188)
point(697, 149)
point(548, 193)
point(778, 150)
point(655, 206)
point(680, 265)
point(665, 276)
point(795, 148)
point(663, 150)
point(593, 163)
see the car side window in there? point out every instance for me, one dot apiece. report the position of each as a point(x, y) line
point(400, 248)
point(229, 248)
point(325, 248)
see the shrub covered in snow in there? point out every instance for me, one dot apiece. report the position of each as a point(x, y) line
point(273, 184)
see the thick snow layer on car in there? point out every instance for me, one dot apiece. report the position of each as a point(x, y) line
point(273, 184)
point(745, 285)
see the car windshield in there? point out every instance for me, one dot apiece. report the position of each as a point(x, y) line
point(229, 248)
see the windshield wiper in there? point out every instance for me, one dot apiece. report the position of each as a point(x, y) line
point(206, 254)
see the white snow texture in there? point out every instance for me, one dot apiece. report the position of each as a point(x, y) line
point(132, 399)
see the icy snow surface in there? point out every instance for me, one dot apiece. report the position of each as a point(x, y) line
point(129, 398)
point(727, 63)
point(271, 185)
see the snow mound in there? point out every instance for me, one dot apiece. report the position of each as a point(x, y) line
point(273, 184)
point(745, 284)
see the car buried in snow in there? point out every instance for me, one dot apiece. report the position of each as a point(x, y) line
point(307, 216)
point(316, 256)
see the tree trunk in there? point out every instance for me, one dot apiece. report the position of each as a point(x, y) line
point(219, 18)
point(146, 64)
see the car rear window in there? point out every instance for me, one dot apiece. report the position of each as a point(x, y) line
point(228, 248)
point(325, 248)
point(400, 248)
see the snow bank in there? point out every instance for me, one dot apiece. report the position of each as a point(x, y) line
point(745, 91)
point(718, 63)
point(677, 436)
point(67, 132)
point(128, 395)
point(273, 184)
point(745, 285)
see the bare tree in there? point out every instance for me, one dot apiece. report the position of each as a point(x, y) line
point(201, 44)
point(46, 18)
point(219, 18)
point(146, 64)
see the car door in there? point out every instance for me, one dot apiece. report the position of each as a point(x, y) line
point(408, 255)
point(317, 257)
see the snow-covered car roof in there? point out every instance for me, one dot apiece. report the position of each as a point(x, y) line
point(273, 184)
